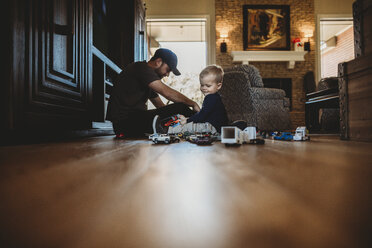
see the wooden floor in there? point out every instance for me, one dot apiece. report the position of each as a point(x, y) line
point(101, 192)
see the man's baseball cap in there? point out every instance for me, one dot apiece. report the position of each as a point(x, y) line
point(168, 57)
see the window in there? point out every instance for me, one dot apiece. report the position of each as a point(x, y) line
point(336, 44)
point(186, 38)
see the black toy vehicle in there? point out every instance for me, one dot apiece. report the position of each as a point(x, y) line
point(204, 140)
point(201, 139)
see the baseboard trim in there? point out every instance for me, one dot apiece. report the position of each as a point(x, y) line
point(42, 136)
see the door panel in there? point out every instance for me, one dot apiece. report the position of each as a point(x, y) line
point(63, 39)
point(58, 42)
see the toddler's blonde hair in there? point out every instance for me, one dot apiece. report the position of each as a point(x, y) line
point(216, 70)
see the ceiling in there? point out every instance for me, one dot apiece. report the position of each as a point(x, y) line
point(176, 30)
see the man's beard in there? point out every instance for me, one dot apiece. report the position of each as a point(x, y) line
point(158, 71)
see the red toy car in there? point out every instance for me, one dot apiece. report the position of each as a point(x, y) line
point(173, 121)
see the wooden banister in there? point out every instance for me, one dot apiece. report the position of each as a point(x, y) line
point(104, 72)
point(105, 60)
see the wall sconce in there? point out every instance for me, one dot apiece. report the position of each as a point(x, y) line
point(307, 43)
point(223, 46)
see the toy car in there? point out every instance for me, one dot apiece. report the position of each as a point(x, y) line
point(163, 138)
point(284, 136)
point(193, 138)
point(201, 139)
point(204, 140)
point(257, 141)
point(173, 121)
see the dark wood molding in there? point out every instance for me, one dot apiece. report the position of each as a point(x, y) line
point(355, 83)
point(343, 100)
point(355, 79)
point(358, 28)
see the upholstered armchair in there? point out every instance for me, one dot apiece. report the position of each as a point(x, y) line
point(245, 98)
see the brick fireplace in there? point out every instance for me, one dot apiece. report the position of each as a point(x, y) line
point(229, 20)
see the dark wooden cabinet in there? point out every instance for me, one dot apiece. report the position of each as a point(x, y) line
point(49, 84)
point(355, 79)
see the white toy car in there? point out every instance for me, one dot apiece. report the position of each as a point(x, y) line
point(159, 137)
point(301, 134)
point(163, 138)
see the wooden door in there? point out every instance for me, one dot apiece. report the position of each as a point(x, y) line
point(54, 89)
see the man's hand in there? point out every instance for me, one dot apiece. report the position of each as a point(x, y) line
point(183, 119)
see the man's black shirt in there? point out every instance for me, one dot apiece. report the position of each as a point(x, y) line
point(131, 91)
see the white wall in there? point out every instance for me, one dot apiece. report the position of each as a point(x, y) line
point(192, 8)
point(333, 6)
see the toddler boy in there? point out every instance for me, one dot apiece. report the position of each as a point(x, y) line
point(212, 115)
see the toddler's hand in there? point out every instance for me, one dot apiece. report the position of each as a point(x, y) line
point(183, 119)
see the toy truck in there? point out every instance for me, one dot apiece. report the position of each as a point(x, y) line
point(235, 136)
point(232, 136)
point(301, 134)
point(251, 132)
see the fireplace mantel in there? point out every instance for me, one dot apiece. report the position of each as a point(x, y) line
point(269, 56)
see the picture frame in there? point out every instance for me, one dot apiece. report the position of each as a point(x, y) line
point(266, 27)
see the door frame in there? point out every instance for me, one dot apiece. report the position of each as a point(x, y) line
point(318, 65)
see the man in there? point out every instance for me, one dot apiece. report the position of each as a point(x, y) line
point(139, 82)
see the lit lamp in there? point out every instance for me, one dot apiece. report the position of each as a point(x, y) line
point(223, 46)
point(307, 43)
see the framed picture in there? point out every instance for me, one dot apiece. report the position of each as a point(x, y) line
point(266, 27)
